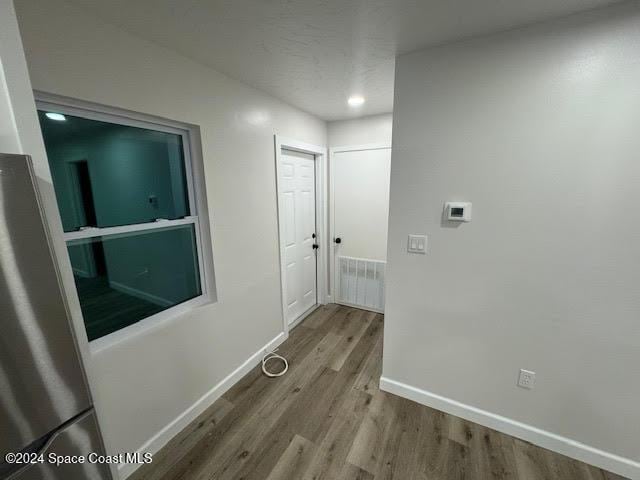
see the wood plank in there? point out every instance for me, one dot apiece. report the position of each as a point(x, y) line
point(458, 463)
point(323, 315)
point(413, 424)
point(374, 432)
point(351, 335)
point(388, 461)
point(461, 431)
point(369, 378)
point(351, 472)
point(494, 455)
point(433, 445)
point(354, 363)
point(565, 467)
point(295, 459)
point(332, 451)
point(532, 462)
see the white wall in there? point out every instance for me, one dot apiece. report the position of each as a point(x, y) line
point(360, 131)
point(18, 122)
point(144, 383)
point(539, 129)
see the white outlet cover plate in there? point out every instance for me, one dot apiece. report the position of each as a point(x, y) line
point(527, 379)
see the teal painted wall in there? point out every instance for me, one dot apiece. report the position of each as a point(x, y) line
point(127, 166)
point(136, 176)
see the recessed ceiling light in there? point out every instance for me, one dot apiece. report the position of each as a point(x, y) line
point(58, 117)
point(355, 101)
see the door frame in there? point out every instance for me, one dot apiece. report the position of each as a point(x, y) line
point(320, 155)
point(333, 282)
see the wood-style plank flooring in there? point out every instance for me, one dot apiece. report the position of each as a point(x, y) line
point(327, 419)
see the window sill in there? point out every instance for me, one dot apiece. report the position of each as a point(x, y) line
point(148, 325)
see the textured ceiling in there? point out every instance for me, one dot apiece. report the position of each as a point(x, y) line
point(313, 54)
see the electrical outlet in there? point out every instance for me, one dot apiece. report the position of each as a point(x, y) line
point(527, 379)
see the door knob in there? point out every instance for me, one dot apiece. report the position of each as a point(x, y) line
point(338, 240)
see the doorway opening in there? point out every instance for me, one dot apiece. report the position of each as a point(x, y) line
point(301, 182)
point(360, 178)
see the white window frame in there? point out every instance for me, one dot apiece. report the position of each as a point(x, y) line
point(198, 215)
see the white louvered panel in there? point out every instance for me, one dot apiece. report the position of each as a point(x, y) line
point(361, 283)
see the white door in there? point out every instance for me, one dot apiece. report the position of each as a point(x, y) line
point(360, 220)
point(296, 187)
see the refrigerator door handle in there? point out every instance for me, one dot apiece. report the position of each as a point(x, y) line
point(35, 449)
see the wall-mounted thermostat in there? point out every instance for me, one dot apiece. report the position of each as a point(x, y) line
point(458, 211)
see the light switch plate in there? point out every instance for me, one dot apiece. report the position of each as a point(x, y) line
point(417, 244)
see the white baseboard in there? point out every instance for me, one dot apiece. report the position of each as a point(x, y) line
point(160, 439)
point(134, 292)
point(360, 307)
point(81, 273)
point(565, 446)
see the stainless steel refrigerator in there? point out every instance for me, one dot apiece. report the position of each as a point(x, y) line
point(45, 405)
